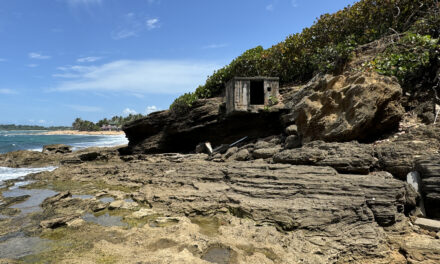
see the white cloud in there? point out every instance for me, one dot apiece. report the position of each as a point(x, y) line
point(2, 60)
point(150, 109)
point(85, 108)
point(152, 23)
point(128, 111)
point(32, 65)
point(216, 46)
point(7, 91)
point(38, 56)
point(133, 25)
point(269, 7)
point(138, 77)
point(88, 59)
point(41, 121)
point(123, 33)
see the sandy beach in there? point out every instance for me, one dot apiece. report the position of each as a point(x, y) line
point(76, 132)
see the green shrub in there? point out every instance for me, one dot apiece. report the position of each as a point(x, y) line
point(408, 59)
point(183, 104)
point(326, 45)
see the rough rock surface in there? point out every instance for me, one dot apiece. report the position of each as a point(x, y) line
point(165, 132)
point(347, 107)
point(57, 148)
point(399, 154)
point(429, 168)
point(348, 157)
point(304, 201)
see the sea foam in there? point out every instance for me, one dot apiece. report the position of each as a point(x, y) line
point(13, 173)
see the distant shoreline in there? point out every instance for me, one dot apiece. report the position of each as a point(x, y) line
point(76, 132)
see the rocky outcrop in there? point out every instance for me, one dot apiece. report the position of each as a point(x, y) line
point(346, 107)
point(399, 154)
point(311, 205)
point(167, 132)
point(25, 158)
point(349, 157)
point(57, 148)
point(429, 168)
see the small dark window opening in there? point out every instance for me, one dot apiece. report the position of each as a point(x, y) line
point(269, 89)
point(257, 93)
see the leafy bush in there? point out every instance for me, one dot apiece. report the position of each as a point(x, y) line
point(408, 58)
point(326, 45)
point(183, 104)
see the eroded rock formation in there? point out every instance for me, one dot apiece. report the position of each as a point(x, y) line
point(347, 107)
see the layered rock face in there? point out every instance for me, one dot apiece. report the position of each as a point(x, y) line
point(323, 216)
point(346, 107)
point(165, 132)
point(429, 168)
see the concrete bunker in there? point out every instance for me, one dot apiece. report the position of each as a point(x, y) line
point(251, 94)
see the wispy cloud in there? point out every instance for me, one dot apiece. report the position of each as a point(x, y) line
point(8, 91)
point(270, 7)
point(150, 109)
point(2, 60)
point(127, 111)
point(133, 25)
point(152, 23)
point(85, 108)
point(88, 59)
point(138, 77)
point(32, 65)
point(215, 46)
point(38, 56)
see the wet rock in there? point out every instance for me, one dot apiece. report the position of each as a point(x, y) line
point(56, 198)
point(143, 212)
point(56, 222)
point(57, 148)
point(166, 220)
point(348, 157)
point(347, 107)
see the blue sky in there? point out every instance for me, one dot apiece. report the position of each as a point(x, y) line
point(62, 59)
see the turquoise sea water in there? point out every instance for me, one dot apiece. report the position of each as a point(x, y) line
point(35, 140)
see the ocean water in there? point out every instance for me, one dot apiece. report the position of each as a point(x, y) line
point(34, 140)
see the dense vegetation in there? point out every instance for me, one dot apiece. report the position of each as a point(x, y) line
point(117, 121)
point(327, 45)
point(29, 127)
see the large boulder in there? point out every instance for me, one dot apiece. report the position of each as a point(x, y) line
point(347, 107)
